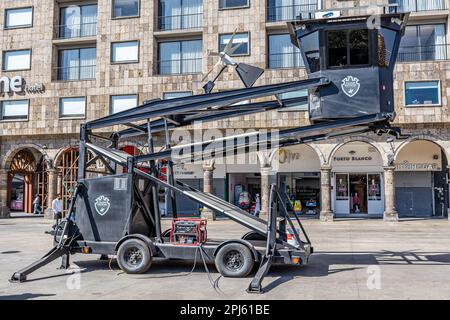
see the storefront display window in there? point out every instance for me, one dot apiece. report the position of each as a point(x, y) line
point(341, 187)
point(374, 187)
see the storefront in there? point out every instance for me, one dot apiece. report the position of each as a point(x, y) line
point(192, 175)
point(357, 180)
point(299, 172)
point(421, 180)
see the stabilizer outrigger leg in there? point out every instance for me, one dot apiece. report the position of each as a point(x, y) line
point(55, 253)
point(62, 249)
point(266, 261)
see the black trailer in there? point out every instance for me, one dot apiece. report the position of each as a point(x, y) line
point(118, 213)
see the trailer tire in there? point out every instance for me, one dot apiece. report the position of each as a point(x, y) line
point(234, 260)
point(134, 256)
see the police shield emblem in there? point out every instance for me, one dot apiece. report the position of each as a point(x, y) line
point(102, 205)
point(350, 85)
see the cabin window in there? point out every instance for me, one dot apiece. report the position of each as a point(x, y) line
point(386, 43)
point(310, 47)
point(359, 47)
point(348, 48)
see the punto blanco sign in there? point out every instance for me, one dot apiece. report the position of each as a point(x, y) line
point(17, 84)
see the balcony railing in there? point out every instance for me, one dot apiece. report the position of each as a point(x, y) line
point(180, 66)
point(290, 12)
point(76, 73)
point(70, 31)
point(428, 53)
point(285, 60)
point(185, 21)
point(418, 5)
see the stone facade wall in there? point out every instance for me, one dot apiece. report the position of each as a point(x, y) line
point(141, 78)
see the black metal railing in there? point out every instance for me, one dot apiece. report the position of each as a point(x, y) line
point(178, 22)
point(417, 5)
point(290, 12)
point(82, 30)
point(180, 66)
point(285, 60)
point(428, 53)
point(76, 73)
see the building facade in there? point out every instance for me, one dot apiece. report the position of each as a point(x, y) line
point(67, 62)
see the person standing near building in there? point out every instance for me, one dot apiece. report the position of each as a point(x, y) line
point(57, 209)
point(36, 204)
point(257, 205)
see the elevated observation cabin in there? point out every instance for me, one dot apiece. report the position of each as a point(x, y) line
point(357, 55)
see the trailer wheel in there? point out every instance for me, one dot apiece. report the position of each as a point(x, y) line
point(134, 256)
point(234, 260)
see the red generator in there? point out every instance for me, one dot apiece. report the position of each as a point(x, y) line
point(188, 231)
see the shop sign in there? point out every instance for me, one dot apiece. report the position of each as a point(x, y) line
point(406, 166)
point(17, 84)
point(287, 156)
point(353, 158)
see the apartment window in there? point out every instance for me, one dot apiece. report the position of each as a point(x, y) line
point(19, 18)
point(74, 107)
point(77, 64)
point(16, 60)
point(240, 42)
point(417, 5)
point(180, 14)
point(229, 4)
point(423, 43)
point(283, 10)
point(123, 102)
point(282, 53)
point(14, 110)
point(422, 93)
point(178, 94)
point(348, 48)
point(78, 21)
point(125, 8)
point(125, 52)
point(301, 95)
point(178, 57)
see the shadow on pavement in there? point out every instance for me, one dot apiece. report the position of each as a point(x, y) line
point(26, 296)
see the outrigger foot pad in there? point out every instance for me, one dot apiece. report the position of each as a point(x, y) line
point(18, 278)
point(255, 290)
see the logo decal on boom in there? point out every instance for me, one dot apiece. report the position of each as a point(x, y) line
point(102, 205)
point(350, 85)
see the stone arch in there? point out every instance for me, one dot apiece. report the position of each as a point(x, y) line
point(36, 150)
point(272, 155)
point(24, 180)
point(429, 138)
point(60, 152)
point(364, 139)
point(318, 151)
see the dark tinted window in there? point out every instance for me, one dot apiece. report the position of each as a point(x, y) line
point(348, 48)
point(223, 4)
point(337, 48)
point(125, 8)
point(359, 47)
point(310, 46)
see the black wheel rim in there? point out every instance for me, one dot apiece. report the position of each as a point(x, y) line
point(234, 260)
point(133, 257)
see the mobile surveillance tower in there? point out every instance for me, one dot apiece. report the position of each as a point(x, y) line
point(350, 67)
